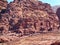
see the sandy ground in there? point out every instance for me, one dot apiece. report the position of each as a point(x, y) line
point(36, 39)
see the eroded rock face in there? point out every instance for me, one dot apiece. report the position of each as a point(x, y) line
point(58, 13)
point(3, 23)
point(27, 17)
point(3, 4)
point(31, 16)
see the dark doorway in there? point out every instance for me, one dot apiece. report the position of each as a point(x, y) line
point(42, 29)
point(50, 29)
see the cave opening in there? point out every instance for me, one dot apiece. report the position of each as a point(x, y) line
point(42, 29)
point(50, 29)
point(3, 11)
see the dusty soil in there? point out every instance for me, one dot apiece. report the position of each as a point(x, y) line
point(36, 39)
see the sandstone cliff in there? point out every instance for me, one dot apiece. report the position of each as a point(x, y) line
point(26, 17)
point(32, 16)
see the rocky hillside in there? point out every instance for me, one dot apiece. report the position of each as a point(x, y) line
point(25, 17)
point(3, 4)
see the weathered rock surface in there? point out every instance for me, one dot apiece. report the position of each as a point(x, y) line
point(26, 17)
point(58, 13)
point(33, 16)
point(3, 4)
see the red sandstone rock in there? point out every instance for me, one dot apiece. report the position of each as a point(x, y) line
point(3, 4)
point(28, 13)
point(28, 17)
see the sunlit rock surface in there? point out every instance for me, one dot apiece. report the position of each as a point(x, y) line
point(25, 17)
point(3, 4)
